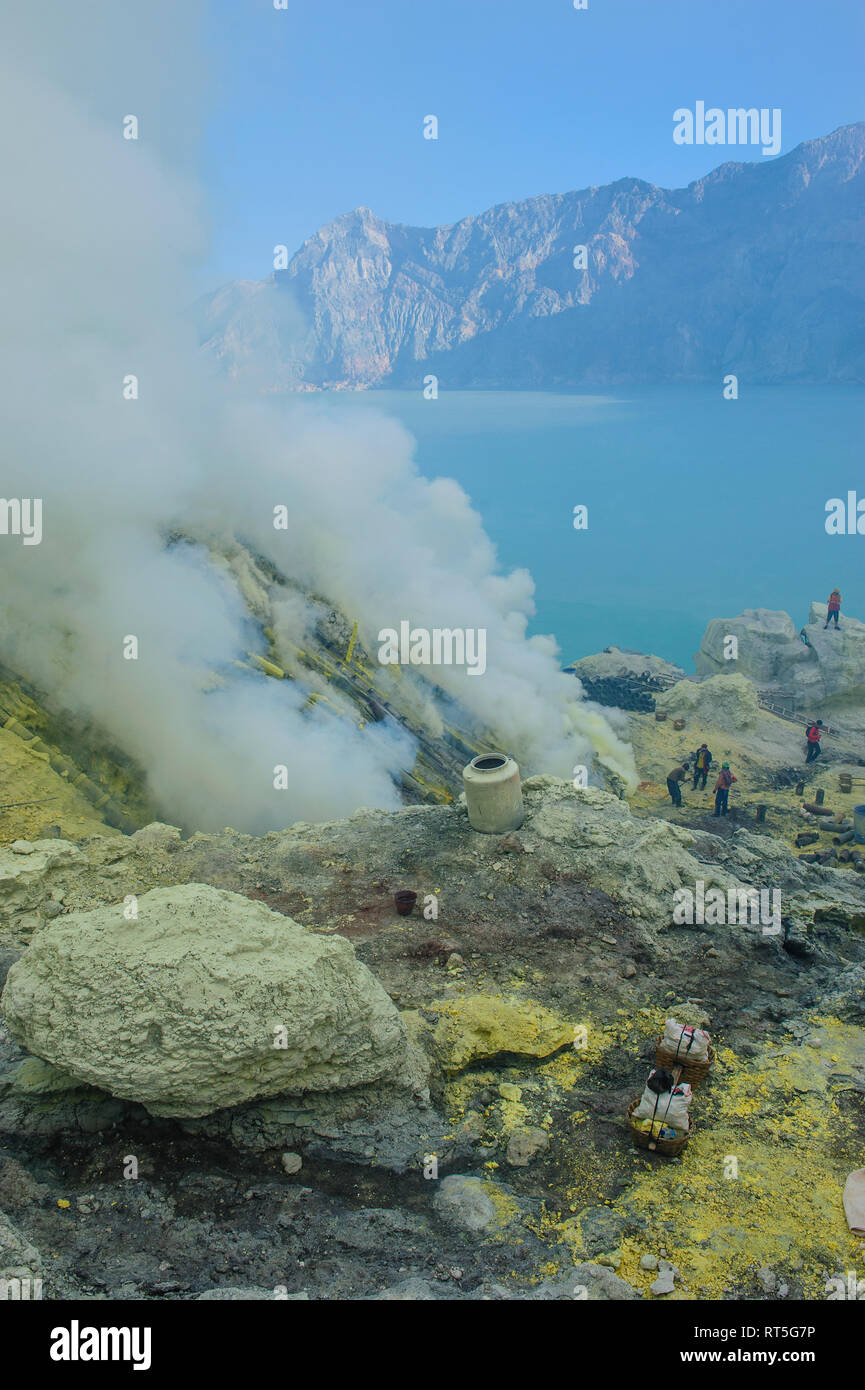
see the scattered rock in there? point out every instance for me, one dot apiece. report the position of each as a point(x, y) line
point(665, 1283)
point(412, 1290)
point(602, 1228)
point(590, 1281)
point(463, 1202)
point(236, 1295)
point(611, 1260)
point(648, 1262)
point(155, 836)
point(524, 1144)
point(511, 844)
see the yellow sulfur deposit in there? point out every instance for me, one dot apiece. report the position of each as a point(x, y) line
point(482, 1026)
point(27, 776)
point(760, 1183)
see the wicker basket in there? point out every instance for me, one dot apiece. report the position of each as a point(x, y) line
point(691, 1072)
point(645, 1140)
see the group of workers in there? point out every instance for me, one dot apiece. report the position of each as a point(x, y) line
point(702, 761)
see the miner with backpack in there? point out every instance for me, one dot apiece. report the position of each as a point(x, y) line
point(702, 763)
point(722, 789)
point(833, 609)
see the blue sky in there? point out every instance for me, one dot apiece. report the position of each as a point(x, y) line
point(317, 109)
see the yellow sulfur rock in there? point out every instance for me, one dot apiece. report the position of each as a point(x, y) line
point(481, 1026)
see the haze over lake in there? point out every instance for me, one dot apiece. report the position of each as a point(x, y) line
point(707, 506)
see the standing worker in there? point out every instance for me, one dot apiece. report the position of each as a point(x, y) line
point(674, 783)
point(812, 734)
point(834, 607)
point(702, 763)
point(722, 789)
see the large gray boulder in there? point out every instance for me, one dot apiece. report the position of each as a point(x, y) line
point(205, 1001)
point(721, 703)
point(614, 661)
point(825, 674)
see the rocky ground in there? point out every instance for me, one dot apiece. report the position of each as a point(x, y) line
point(494, 1160)
point(766, 753)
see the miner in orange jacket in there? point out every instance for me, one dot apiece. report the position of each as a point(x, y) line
point(834, 606)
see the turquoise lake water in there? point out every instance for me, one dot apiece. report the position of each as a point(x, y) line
point(697, 507)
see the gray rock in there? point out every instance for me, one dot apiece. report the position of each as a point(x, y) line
point(412, 1290)
point(40, 1100)
point(18, 1258)
point(155, 836)
point(665, 1283)
point(181, 1009)
point(767, 1279)
point(590, 1282)
point(602, 1228)
point(461, 1200)
point(648, 1262)
point(7, 960)
point(248, 1295)
point(292, 1163)
point(524, 1144)
point(829, 672)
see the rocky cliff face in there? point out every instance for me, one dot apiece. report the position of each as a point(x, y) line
point(755, 269)
point(824, 675)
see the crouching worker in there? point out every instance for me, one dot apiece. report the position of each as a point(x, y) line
point(722, 789)
point(674, 783)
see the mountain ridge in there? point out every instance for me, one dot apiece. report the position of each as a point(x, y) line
point(753, 269)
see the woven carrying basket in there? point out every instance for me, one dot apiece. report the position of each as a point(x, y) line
point(691, 1072)
point(645, 1140)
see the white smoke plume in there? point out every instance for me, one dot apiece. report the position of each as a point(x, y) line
point(95, 262)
